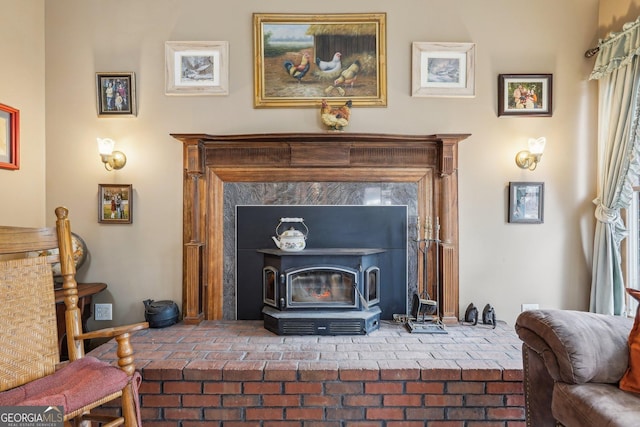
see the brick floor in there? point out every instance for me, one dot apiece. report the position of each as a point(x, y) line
point(221, 372)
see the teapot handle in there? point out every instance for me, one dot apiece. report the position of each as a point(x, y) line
point(301, 220)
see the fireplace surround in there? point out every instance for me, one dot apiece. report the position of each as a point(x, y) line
point(210, 161)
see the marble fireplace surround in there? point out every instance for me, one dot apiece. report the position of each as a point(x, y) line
point(210, 161)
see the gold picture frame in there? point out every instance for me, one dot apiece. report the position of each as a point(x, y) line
point(197, 68)
point(443, 69)
point(115, 203)
point(301, 59)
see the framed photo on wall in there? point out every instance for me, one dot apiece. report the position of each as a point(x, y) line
point(116, 94)
point(443, 69)
point(115, 203)
point(302, 59)
point(9, 137)
point(197, 68)
point(526, 202)
point(525, 95)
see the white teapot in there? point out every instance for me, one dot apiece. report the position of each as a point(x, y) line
point(291, 240)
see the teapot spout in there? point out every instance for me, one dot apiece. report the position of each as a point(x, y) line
point(276, 241)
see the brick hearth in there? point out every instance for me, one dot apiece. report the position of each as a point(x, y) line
point(237, 374)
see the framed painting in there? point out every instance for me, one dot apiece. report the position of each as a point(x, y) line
point(526, 202)
point(115, 203)
point(443, 69)
point(525, 95)
point(9, 137)
point(197, 68)
point(116, 94)
point(302, 59)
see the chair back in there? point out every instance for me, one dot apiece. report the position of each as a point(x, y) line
point(28, 329)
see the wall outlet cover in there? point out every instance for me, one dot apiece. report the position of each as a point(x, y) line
point(525, 307)
point(102, 312)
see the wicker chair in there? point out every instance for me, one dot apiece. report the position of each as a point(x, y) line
point(30, 370)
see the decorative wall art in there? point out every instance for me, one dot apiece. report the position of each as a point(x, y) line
point(525, 95)
point(443, 69)
point(526, 202)
point(197, 68)
point(302, 59)
point(116, 94)
point(9, 137)
point(115, 203)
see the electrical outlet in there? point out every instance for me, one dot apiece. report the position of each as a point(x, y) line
point(102, 312)
point(525, 307)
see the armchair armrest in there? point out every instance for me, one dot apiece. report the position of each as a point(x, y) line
point(122, 335)
point(576, 346)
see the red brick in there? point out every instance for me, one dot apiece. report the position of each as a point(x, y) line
point(181, 387)
point(425, 387)
point(442, 400)
point(242, 424)
point(243, 371)
point(316, 424)
point(324, 401)
point(465, 414)
point(385, 413)
point(207, 423)
point(161, 400)
point(278, 370)
point(230, 401)
point(164, 370)
point(204, 370)
point(281, 423)
point(304, 413)
point(223, 414)
point(400, 374)
point(406, 400)
point(182, 414)
point(515, 400)
point(262, 388)
point(161, 423)
point(505, 388)
point(405, 424)
point(149, 414)
point(345, 413)
point(383, 387)
point(222, 388)
point(485, 424)
point(440, 374)
point(367, 400)
point(264, 413)
point(505, 414)
point(303, 388)
point(512, 375)
point(484, 400)
point(281, 400)
point(363, 424)
point(150, 387)
point(481, 375)
point(427, 413)
point(446, 423)
point(343, 388)
point(201, 400)
point(516, 424)
point(465, 387)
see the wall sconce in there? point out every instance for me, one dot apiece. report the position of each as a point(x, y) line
point(528, 159)
point(111, 159)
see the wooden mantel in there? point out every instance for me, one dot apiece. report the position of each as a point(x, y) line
point(430, 161)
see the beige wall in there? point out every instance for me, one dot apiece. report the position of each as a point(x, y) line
point(22, 191)
point(615, 13)
point(500, 263)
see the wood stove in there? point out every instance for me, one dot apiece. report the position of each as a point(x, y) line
point(329, 291)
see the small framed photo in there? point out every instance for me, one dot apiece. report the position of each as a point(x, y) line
point(525, 95)
point(443, 69)
point(9, 137)
point(115, 203)
point(116, 94)
point(526, 202)
point(197, 68)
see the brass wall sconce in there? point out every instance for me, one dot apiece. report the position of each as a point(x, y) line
point(529, 159)
point(111, 159)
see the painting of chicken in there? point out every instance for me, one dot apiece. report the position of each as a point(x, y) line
point(300, 70)
point(335, 118)
point(349, 75)
point(329, 69)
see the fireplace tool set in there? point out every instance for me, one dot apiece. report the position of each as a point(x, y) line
point(425, 312)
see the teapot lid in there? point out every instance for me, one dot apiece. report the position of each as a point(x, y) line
point(292, 232)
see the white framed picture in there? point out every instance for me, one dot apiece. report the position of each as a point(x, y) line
point(197, 68)
point(443, 69)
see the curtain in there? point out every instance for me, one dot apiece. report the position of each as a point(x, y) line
point(617, 71)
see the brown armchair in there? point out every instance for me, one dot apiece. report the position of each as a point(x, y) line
point(30, 370)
